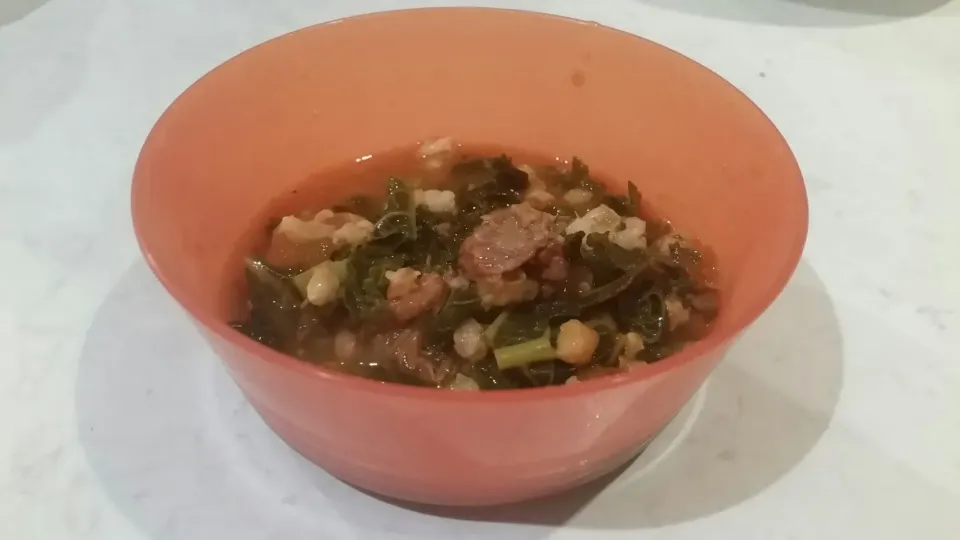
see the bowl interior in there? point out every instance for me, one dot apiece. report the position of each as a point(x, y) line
point(256, 127)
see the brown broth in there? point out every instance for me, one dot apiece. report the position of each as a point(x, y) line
point(368, 176)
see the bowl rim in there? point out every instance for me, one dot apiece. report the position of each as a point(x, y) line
point(714, 341)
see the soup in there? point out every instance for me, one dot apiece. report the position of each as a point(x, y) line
point(474, 270)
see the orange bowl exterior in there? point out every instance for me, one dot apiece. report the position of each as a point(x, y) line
point(257, 126)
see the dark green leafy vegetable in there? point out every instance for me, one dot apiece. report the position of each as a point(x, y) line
point(625, 205)
point(364, 285)
point(274, 300)
point(610, 289)
point(643, 312)
point(400, 212)
point(363, 297)
point(517, 325)
point(659, 351)
point(485, 185)
point(633, 195)
point(618, 204)
point(478, 202)
point(544, 373)
point(560, 309)
point(508, 177)
point(572, 246)
point(490, 334)
point(605, 258)
point(569, 306)
point(275, 306)
point(499, 171)
point(430, 251)
point(459, 306)
point(578, 177)
point(485, 198)
point(489, 377)
point(471, 173)
point(605, 292)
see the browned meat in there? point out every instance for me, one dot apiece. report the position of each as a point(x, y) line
point(554, 266)
point(408, 299)
point(505, 240)
point(402, 282)
point(403, 354)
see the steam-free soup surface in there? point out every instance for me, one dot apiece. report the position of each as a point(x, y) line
point(479, 272)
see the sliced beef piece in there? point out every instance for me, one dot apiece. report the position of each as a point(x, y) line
point(507, 238)
point(552, 264)
point(407, 300)
point(400, 351)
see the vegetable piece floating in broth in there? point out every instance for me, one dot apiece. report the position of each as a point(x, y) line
point(479, 274)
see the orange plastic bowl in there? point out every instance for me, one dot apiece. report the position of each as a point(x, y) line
point(257, 126)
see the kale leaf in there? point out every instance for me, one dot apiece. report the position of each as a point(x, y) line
point(399, 214)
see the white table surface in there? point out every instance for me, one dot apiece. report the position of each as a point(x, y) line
point(837, 416)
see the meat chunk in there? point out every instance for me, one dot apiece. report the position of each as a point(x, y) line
point(410, 294)
point(506, 239)
point(554, 265)
point(401, 282)
point(401, 352)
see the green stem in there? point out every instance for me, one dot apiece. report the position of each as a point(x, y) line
point(491, 332)
point(521, 354)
